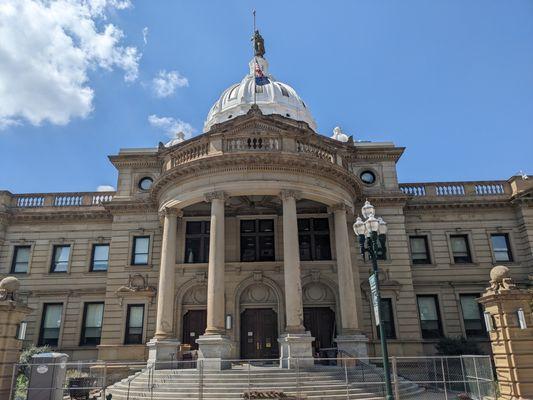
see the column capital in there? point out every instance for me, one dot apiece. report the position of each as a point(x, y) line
point(218, 195)
point(287, 193)
point(170, 212)
point(339, 207)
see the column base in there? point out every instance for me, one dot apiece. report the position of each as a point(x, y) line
point(213, 350)
point(354, 345)
point(163, 353)
point(296, 346)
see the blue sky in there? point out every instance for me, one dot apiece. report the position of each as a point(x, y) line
point(452, 81)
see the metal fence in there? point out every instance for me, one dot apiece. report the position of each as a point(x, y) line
point(431, 378)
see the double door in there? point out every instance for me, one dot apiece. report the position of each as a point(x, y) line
point(194, 324)
point(259, 333)
point(320, 321)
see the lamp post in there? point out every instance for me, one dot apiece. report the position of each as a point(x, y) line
point(372, 235)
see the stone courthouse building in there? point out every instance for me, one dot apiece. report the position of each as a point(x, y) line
point(239, 241)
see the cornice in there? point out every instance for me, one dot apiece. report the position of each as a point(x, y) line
point(458, 204)
point(67, 215)
point(128, 206)
point(356, 154)
point(297, 163)
point(136, 160)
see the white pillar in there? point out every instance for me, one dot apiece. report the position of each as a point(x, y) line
point(215, 273)
point(295, 343)
point(351, 339)
point(164, 345)
point(344, 271)
point(214, 346)
point(291, 265)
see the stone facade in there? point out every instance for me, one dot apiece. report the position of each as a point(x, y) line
point(257, 167)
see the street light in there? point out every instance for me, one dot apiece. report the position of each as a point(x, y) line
point(372, 234)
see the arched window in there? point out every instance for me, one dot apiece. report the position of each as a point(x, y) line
point(284, 90)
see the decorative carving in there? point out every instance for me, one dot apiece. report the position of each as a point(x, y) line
point(170, 212)
point(500, 279)
point(258, 293)
point(288, 193)
point(339, 207)
point(318, 293)
point(9, 287)
point(137, 285)
point(200, 277)
point(196, 295)
point(258, 276)
point(218, 195)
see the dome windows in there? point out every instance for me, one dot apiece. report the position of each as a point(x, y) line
point(233, 92)
point(145, 183)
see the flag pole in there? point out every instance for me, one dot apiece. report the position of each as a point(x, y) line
point(255, 61)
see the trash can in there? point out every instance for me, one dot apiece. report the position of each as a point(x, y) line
point(47, 376)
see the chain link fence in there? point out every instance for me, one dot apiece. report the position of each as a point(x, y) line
point(431, 378)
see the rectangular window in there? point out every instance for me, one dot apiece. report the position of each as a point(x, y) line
point(388, 319)
point(197, 242)
point(313, 237)
point(472, 315)
point(460, 249)
point(501, 247)
point(91, 330)
point(100, 257)
point(21, 260)
point(257, 240)
point(60, 258)
point(141, 246)
point(50, 324)
point(134, 324)
point(428, 311)
point(419, 250)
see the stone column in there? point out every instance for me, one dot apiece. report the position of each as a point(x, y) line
point(11, 315)
point(511, 343)
point(164, 345)
point(295, 342)
point(351, 339)
point(214, 346)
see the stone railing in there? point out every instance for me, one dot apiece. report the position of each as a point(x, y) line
point(190, 152)
point(457, 189)
point(61, 199)
point(316, 150)
point(252, 143)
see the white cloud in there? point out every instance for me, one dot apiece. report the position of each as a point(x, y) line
point(165, 83)
point(175, 129)
point(145, 35)
point(46, 52)
point(105, 188)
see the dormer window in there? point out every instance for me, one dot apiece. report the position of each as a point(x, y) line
point(233, 92)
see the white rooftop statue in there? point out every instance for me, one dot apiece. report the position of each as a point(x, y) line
point(273, 97)
point(339, 135)
point(180, 137)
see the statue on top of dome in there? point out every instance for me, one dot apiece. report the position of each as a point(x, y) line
point(259, 44)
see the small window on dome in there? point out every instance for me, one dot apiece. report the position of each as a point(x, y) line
point(303, 104)
point(288, 115)
point(284, 90)
point(258, 89)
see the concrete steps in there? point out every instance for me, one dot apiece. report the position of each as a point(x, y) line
point(318, 383)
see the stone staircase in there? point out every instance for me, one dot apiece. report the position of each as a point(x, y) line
point(319, 382)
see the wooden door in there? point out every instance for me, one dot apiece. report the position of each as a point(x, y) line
point(321, 322)
point(259, 333)
point(194, 324)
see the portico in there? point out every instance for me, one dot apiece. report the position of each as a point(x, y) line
point(218, 341)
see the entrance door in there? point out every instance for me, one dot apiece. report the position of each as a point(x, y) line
point(321, 322)
point(194, 324)
point(259, 333)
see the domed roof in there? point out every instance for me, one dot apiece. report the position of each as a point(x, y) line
point(273, 97)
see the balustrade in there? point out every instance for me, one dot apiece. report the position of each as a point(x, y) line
point(252, 143)
point(457, 189)
point(316, 150)
point(62, 199)
point(190, 153)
